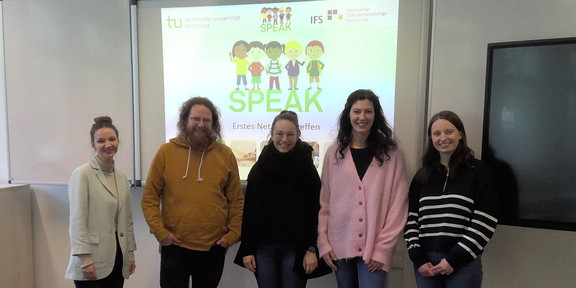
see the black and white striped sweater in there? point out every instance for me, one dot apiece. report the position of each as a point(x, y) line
point(455, 216)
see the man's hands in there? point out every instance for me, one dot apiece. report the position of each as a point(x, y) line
point(171, 239)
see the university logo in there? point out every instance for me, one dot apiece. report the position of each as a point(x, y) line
point(174, 23)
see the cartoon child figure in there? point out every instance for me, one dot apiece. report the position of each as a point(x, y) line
point(255, 54)
point(269, 15)
point(274, 50)
point(281, 15)
point(293, 50)
point(275, 10)
point(238, 56)
point(288, 14)
point(314, 50)
point(264, 14)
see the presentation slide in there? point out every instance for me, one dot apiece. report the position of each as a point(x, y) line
point(255, 60)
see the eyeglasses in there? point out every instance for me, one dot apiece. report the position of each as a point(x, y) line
point(282, 134)
point(197, 120)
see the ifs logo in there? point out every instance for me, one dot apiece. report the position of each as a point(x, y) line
point(276, 19)
point(174, 23)
point(331, 14)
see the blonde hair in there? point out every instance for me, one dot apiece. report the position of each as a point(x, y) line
point(292, 44)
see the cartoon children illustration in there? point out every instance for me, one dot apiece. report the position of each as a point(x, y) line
point(293, 50)
point(238, 56)
point(274, 50)
point(255, 54)
point(264, 14)
point(288, 14)
point(314, 50)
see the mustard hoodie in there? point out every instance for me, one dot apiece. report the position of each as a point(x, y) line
point(194, 194)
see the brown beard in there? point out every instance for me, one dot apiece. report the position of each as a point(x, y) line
point(200, 139)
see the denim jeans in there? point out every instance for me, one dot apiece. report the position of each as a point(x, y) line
point(178, 264)
point(275, 267)
point(469, 275)
point(353, 273)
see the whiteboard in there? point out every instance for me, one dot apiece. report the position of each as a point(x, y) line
point(66, 62)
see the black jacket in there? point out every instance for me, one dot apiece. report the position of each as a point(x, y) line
point(282, 201)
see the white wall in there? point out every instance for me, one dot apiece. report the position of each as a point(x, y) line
point(410, 110)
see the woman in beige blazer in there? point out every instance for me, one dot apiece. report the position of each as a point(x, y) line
point(101, 232)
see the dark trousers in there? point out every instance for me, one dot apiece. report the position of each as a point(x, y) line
point(275, 267)
point(114, 280)
point(178, 264)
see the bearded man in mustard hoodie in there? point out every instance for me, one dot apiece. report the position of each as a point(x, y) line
point(192, 200)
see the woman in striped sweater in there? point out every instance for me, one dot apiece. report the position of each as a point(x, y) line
point(452, 209)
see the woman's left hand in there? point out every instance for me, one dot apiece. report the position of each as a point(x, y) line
point(443, 268)
point(310, 262)
point(89, 272)
point(132, 267)
point(374, 266)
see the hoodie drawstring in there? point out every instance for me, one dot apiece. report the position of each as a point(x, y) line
point(200, 179)
point(187, 163)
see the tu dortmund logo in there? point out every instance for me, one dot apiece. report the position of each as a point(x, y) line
point(174, 23)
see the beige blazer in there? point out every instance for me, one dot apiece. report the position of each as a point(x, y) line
point(93, 208)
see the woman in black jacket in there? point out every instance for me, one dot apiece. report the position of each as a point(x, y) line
point(279, 225)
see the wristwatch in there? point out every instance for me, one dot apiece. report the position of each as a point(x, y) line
point(312, 249)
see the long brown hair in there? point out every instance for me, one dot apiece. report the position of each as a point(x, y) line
point(459, 159)
point(379, 139)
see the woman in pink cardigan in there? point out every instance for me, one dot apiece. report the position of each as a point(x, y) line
point(364, 193)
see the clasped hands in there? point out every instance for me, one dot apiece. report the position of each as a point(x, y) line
point(429, 270)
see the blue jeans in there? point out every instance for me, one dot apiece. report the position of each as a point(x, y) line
point(178, 264)
point(275, 267)
point(353, 273)
point(469, 275)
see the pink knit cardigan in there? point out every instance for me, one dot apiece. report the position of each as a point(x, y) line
point(362, 218)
